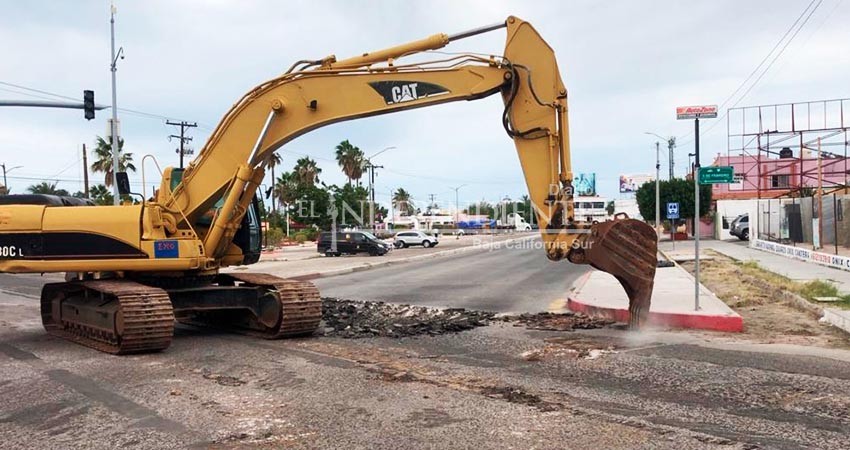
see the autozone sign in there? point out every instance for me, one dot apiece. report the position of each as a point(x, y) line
point(696, 112)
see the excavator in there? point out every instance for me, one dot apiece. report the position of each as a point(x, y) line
point(133, 269)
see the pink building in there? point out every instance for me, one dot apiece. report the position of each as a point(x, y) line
point(763, 177)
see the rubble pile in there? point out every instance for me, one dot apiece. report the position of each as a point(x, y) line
point(566, 321)
point(358, 319)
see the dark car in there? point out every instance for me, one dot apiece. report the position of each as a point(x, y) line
point(351, 242)
point(740, 227)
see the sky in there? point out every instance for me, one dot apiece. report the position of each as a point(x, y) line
point(626, 64)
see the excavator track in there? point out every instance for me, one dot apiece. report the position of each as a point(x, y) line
point(114, 316)
point(299, 304)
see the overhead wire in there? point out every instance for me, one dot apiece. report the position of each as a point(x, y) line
point(795, 27)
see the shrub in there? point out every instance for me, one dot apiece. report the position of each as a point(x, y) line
point(274, 236)
point(301, 237)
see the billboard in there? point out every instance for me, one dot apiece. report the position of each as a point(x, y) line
point(585, 184)
point(693, 112)
point(631, 183)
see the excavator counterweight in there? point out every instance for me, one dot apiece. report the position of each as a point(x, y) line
point(132, 270)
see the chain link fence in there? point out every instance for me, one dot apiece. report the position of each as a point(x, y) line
point(817, 222)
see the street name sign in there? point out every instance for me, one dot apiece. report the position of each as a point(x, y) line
point(716, 175)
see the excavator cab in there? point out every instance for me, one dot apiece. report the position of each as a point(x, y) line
point(249, 237)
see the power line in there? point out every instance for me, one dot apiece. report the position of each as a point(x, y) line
point(767, 68)
point(65, 97)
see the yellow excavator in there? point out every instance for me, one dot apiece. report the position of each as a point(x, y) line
point(131, 270)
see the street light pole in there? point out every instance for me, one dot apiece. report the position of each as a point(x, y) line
point(116, 159)
point(5, 171)
point(457, 202)
point(657, 190)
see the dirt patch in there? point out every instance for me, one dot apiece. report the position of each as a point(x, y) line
point(756, 295)
point(518, 396)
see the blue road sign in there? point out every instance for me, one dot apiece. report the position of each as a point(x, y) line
point(673, 210)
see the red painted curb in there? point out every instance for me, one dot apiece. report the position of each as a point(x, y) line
point(734, 324)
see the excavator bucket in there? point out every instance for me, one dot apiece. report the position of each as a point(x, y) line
point(628, 250)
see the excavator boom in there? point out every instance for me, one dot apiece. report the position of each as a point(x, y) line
point(173, 245)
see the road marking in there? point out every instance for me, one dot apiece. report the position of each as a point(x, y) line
point(559, 305)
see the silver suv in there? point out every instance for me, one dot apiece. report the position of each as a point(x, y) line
point(407, 238)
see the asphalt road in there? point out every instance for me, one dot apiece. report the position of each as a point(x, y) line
point(515, 277)
point(500, 386)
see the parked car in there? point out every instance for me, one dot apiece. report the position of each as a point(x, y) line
point(740, 227)
point(351, 242)
point(407, 238)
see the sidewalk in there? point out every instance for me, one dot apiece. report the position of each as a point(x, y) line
point(791, 268)
point(794, 269)
point(600, 294)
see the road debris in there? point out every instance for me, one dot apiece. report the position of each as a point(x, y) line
point(359, 319)
point(567, 321)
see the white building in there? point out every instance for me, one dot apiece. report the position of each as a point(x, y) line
point(590, 208)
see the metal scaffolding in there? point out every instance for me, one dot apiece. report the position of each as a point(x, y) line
point(780, 138)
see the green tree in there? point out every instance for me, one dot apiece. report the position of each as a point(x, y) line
point(403, 202)
point(285, 189)
point(351, 160)
point(311, 206)
point(609, 208)
point(101, 195)
point(46, 188)
point(274, 160)
point(483, 208)
point(306, 171)
point(524, 208)
point(676, 190)
point(103, 159)
point(354, 206)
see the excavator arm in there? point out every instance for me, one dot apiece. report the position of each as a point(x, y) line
point(321, 92)
point(133, 269)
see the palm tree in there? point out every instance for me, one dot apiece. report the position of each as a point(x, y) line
point(306, 171)
point(103, 159)
point(351, 160)
point(402, 201)
point(101, 195)
point(285, 189)
point(274, 160)
point(46, 188)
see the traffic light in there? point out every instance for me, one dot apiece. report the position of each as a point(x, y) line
point(88, 104)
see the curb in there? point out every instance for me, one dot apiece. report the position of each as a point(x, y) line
point(725, 323)
point(368, 266)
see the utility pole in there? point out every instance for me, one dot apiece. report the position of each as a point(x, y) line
point(85, 172)
point(183, 138)
point(372, 168)
point(671, 144)
point(657, 190)
point(116, 158)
